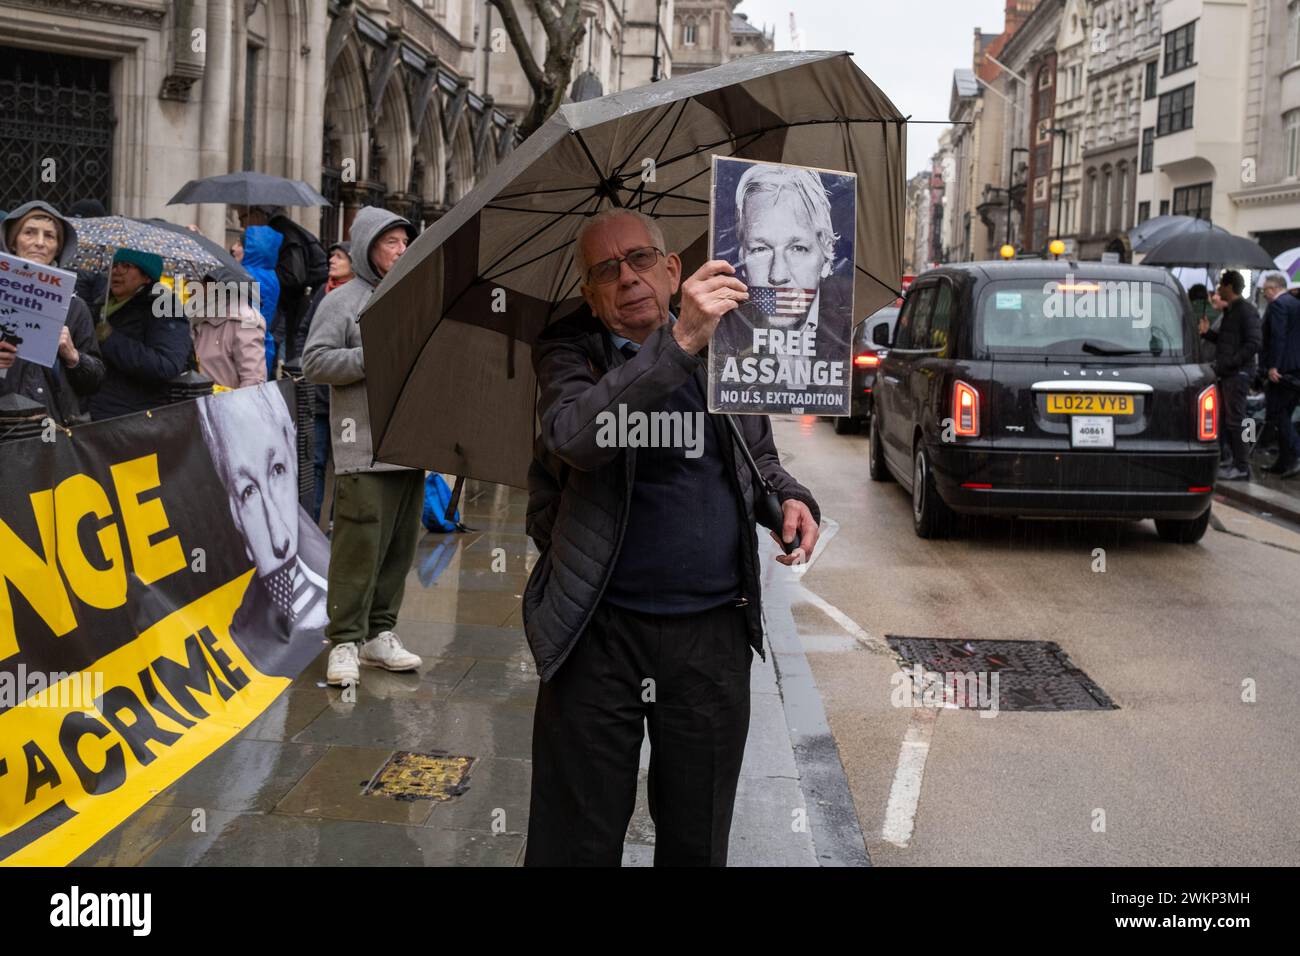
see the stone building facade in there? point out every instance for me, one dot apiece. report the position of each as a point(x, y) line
point(1124, 36)
point(708, 33)
point(400, 103)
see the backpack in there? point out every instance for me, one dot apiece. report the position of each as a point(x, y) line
point(315, 262)
point(318, 262)
point(437, 499)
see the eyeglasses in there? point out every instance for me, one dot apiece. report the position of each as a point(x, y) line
point(639, 259)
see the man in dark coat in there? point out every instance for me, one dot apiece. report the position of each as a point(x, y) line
point(37, 232)
point(1237, 343)
point(144, 337)
point(644, 605)
point(1281, 361)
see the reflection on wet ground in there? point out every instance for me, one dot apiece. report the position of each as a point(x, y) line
point(289, 789)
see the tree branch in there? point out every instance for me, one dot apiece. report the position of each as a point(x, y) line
point(542, 10)
point(519, 40)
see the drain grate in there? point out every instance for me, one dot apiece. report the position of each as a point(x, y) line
point(1032, 675)
point(412, 776)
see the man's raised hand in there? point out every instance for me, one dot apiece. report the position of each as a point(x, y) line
point(707, 296)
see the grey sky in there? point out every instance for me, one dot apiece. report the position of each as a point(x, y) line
point(909, 48)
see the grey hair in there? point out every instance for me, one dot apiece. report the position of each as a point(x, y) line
point(652, 227)
point(1275, 280)
point(807, 186)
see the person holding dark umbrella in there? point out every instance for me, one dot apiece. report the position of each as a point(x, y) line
point(1237, 343)
point(647, 590)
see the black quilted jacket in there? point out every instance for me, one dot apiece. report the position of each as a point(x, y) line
point(578, 491)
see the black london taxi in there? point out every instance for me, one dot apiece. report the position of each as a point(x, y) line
point(1047, 389)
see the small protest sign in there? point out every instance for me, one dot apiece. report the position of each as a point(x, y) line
point(789, 232)
point(34, 303)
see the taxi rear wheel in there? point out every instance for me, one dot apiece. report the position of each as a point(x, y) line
point(1187, 531)
point(931, 516)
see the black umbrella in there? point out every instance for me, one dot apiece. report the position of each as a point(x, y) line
point(1209, 248)
point(1147, 235)
point(248, 189)
point(435, 334)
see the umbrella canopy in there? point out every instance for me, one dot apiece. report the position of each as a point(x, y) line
point(183, 252)
point(1146, 236)
point(1209, 248)
point(1289, 264)
point(434, 333)
point(248, 189)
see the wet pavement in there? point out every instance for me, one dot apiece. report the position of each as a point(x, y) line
point(290, 789)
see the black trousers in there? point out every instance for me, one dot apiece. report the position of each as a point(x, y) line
point(1280, 402)
point(688, 676)
point(1234, 389)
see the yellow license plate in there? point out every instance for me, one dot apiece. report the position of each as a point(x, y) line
point(1070, 403)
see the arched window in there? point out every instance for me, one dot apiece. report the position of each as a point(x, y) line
point(689, 32)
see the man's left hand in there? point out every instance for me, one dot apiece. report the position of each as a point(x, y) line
point(1274, 376)
point(67, 351)
point(797, 518)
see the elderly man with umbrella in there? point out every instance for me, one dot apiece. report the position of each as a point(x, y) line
point(643, 607)
point(680, 599)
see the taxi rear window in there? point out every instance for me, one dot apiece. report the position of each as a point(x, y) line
point(1079, 317)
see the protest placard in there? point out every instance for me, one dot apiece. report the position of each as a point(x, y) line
point(34, 302)
point(789, 232)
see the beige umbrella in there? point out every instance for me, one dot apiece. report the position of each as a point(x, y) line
point(447, 335)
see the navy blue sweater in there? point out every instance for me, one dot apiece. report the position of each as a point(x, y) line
point(681, 549)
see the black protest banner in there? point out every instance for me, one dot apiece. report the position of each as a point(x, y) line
point(159, 587)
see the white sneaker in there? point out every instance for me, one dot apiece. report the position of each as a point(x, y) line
point(386, 651)
point(342, 668)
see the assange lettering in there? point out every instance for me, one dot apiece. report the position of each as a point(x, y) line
point(95, 580)
point(789, 233)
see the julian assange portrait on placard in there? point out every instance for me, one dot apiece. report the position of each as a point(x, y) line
point(788, 230)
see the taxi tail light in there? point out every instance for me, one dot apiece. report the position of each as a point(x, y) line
point(1207, 414)
point(965, 410)
point(866, 360)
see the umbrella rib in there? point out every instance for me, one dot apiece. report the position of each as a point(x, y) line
point(529, 262)
point(606, 184)
point(548, 212)
point(515, 268)
point(618, 171)
point(543, 192)
point(558, 217)
point(887, 286)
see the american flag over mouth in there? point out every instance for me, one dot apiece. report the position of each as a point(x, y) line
point(782, 301)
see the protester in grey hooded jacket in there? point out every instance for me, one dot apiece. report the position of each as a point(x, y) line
point(63, 388)
point(376, 507)
point(332, 355)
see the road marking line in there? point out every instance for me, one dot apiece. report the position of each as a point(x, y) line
point(873, 644)
point(905, 792)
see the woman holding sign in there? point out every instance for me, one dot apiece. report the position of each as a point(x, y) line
point(36, 232)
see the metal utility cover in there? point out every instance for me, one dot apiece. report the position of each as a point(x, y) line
point(1032, 675)
point(412, 776)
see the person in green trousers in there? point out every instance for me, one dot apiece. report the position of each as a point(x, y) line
point(376, 506)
